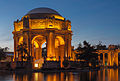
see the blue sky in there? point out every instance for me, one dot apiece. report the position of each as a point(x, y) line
point(92, 20)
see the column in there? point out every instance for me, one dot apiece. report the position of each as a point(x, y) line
point(33, 52)
point(57, 53)
point(15, 47)
point(103, 59)
point(17, 54)
point(116, 58)
point(40, 52)
point(69, 47)
point(109, 59)
point(99, 57)
point(51, 45)
point(66, 46)
point(29, 44)
point(37, 53)
point(61, 48)
point(112, 58)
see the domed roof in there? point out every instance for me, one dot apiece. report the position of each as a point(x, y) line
point(43, 10)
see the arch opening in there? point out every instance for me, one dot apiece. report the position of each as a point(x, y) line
point(37, 43)
point(44, 50)
point(59, 47)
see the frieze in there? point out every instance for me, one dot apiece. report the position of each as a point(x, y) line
point(36, 24)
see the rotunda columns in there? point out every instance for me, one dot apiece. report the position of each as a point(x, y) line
point(69, 47)
point(15, 47)
point(67, 51)
point(61, 50)
point(57, 53)
point(32, 50)
point(51, 45)
point(37, 53)
point(40, 52)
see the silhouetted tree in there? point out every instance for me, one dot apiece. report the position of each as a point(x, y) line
point(117, 46)
point(88, 53)
point(100, 46)
point(2, 53)
point(22, 49)
point(65, 63)
point(79, 48)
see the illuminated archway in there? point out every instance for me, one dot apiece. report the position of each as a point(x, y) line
point(61, 40)
point(38, 36)
point(59, 47)
point(37, 42)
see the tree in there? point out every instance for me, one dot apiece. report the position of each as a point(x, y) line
point(79, 47)
point(2, 53)
point(22, 50)
point(117, 46)
point(88, 53)
point(100, 46)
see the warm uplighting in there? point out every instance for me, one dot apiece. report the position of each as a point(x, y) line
point(59, 17)
point(36, 65)
point(13, 59)
point(48, 59)
point(36, 44)
point(54, 59)
point(51, 59)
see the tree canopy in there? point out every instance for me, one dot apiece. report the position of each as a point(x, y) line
point(2, 53)
point(86, 52)
point(22, 50)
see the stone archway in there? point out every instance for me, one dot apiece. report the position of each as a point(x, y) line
point(59, 47)
point(37, 42)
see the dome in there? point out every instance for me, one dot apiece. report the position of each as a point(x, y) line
point(43, 10)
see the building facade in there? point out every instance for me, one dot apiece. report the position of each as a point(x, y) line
point(43, 26)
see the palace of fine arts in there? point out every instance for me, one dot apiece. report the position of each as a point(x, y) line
point(45, 25)
point(60, 41)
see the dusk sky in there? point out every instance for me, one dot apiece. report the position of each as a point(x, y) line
point(92, 20)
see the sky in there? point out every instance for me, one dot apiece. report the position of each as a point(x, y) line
point(91, 20)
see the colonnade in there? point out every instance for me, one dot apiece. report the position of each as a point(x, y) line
point(112, 57)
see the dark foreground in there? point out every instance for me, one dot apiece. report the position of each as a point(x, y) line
point(83, 75)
